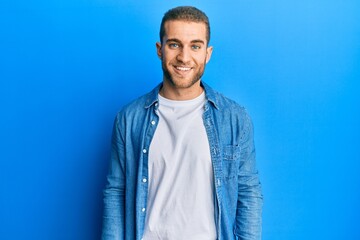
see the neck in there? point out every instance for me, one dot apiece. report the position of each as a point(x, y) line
point(172, 92)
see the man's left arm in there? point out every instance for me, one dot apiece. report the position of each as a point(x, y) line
point(250, 199)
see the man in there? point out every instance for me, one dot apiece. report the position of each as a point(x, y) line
point(183, 158)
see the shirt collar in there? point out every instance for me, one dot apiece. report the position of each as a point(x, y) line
point(210, 94)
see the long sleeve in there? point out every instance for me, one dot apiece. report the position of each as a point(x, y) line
point(250, 199)
point(114, 193)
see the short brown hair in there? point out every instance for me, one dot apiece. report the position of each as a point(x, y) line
point(185, 13)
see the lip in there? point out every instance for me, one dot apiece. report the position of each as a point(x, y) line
point(182, 70)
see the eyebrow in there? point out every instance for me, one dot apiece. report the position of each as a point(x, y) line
point(198, 41)
point(178, 41)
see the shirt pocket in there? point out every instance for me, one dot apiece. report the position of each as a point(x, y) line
point(230, 161)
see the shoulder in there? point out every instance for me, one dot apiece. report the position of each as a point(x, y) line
point(140, 104)
point(132, 108)
point(137, 108)
point(224, 104)
point(230, 115)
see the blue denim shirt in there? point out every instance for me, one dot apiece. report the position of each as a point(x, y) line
point(237, 187)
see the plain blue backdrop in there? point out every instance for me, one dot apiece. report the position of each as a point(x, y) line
point(67, 67)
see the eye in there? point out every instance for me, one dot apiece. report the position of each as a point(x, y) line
point(195, 47)
point(173, 45)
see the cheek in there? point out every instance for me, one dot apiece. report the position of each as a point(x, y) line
point(166, 57)
point(201, 60)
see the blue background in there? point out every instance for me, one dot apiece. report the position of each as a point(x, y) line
point(67, 67)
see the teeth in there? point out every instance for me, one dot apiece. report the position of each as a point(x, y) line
point(183, 68)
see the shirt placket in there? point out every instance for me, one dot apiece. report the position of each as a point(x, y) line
point(215, 159)
point(144, 177)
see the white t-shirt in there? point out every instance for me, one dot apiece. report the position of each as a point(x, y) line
point(181, 185)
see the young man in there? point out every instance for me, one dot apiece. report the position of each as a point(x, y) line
point(183, 157)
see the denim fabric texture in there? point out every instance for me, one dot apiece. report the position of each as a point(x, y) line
point(237, 187)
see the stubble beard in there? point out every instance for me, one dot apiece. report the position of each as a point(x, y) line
point(179, 84)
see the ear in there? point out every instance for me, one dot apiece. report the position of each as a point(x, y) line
point(208, 53)
point(158, 49)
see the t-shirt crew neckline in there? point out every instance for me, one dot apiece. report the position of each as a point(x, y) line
point(181, 103)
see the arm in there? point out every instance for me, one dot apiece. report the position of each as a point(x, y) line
point(114, 193)
point(249, 207)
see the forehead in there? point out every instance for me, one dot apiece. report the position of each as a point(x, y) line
point(185, 30)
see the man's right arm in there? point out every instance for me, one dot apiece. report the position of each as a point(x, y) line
point(114, 193)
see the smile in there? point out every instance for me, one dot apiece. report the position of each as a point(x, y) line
point(184, 69)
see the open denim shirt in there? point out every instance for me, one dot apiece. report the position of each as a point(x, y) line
point(238, 196)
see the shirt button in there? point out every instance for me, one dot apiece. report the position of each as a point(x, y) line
point(153, 122)
point(144, 150)
point(143, 209)
point(144, 180)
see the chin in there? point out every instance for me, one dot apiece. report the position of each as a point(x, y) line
point(183, 83)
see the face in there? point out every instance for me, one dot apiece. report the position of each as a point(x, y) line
point(183, 53)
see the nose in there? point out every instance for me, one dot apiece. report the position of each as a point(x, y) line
point(184, 55)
